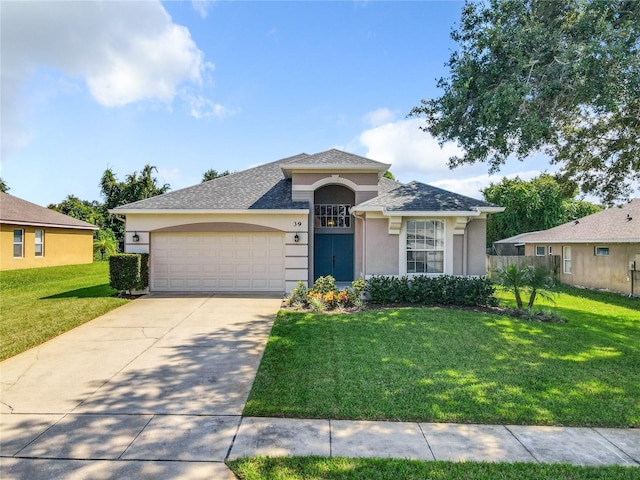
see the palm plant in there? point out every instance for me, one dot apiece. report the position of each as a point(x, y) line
point(536, 281)
point(513, 278)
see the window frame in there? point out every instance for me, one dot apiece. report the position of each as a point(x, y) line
point(437, 250)
point(567, 260)
point(40, 243)
point(340, 213)
point(21, 243)
point(598, 249)
point(537, 250)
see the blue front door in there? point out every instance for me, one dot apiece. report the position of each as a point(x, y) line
point(333, 255)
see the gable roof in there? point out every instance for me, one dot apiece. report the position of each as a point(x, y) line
point(420, 197)
point(269, 187)
point(613, 225)
point(15, 211)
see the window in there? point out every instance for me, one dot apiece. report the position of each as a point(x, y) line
point(540, 250)
point(425, 246)
point(333, 215)
point(566, 260)
point(39, 243)
point(18, 243)
point(602, 251)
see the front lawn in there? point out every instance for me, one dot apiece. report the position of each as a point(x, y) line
point(319, 468)
point(38, 304)
point(443, 365)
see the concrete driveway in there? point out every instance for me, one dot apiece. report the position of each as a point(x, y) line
point(153, 389)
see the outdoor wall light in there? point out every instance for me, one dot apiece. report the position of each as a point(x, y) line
point(136, 237)
point(296, 238)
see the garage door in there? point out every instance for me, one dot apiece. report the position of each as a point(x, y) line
point(232, 262)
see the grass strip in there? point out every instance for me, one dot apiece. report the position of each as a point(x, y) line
point(317, 468)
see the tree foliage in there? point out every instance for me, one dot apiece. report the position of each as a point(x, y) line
point(212, 174)
point(136, 186)
point(3, 186)
point(561, 77)
point(530, 206)
point(91, 212)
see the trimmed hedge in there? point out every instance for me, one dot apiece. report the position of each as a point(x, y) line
point(129, 271)
point(424, 290)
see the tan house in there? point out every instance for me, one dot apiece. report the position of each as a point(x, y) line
point(600, 251)
point(32, 236)
point(302, 217)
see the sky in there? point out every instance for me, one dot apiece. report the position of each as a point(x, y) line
point(224, 85)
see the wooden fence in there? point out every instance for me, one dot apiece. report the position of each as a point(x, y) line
point(550, 262)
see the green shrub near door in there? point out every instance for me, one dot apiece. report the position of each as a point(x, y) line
point(129, 271)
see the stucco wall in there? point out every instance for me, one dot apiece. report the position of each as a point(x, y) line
point(381, 249)
point(476, 234)
point(598, 272)
point(357, 178)
point(61, 247)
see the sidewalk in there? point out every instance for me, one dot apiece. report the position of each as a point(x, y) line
point(437, 441)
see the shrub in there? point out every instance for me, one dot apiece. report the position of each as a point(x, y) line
point(124, 271)
point(325, 285)
point(298, 294)
point(424, 290)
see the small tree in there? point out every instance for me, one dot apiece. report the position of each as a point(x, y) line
point(104, 244)
point(535, 282)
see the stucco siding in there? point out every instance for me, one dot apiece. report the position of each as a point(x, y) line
point(381, 249)
point(458, 254)
point(357, 178)
point(476, 238)
point(62, 246)
point(598, 272)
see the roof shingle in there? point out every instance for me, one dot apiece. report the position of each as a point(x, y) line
point(613, 225)
point(15, 211)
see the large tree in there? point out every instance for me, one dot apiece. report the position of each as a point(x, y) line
point(561, 77)
point(91, 212)
point(537, 204)
point(136, 186)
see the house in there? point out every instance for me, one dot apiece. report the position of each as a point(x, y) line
point(32, 236)
point(302, 217)
point(596, 251)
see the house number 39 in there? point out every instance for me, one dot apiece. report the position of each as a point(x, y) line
point(297, 224)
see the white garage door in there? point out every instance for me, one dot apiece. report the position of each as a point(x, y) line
point(212, 262)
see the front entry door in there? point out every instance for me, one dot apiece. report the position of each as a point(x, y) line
point(333, 255)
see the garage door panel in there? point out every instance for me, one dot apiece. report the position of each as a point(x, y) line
point(217, 261)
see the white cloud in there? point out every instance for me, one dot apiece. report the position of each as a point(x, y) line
point(411, 151)
point(126, 52)
point(379, 117)
point(201, 107)
point(416, 155)
point(202, 7)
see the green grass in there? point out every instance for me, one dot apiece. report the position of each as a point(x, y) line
point(38, 304)
point(441, 365)
point(312, 468)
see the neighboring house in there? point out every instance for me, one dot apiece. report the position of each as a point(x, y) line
point(32, 236)
point(302, 217)
point(596, 251)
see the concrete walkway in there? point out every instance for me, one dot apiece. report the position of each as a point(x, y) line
point(155, 389)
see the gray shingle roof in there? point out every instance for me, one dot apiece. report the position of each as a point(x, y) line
point(416, 196)
point(337, 157)
point(15, 211)
point(262, 187)
point(266, 187)
point(610, 226)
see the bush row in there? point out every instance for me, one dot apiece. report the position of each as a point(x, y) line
point(129, 271)
point(440, 290)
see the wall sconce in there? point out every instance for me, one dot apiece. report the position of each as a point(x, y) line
point(136, 237)
point(296, 238)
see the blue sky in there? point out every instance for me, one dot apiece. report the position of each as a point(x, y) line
point(189, 86)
